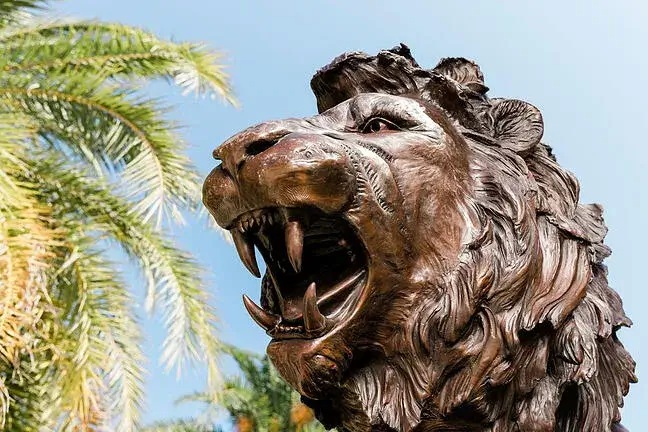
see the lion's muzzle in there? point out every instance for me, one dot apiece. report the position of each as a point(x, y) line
point(296, 170)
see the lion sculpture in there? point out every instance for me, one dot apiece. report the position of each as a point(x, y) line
point(429, 266)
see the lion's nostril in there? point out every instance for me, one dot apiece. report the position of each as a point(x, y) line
point(257, 147)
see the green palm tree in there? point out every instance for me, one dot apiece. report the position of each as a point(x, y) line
point(88, 163)
point(257, 401)
point(181, 426)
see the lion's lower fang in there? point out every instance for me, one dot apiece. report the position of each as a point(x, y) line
point(313, 319)
point(265, 319)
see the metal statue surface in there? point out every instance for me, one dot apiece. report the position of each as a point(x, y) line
point(429, 266)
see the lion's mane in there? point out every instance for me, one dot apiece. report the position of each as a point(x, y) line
point(526, 322)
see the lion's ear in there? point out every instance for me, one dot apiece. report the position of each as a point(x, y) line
point(463, 71)
point(517, 125)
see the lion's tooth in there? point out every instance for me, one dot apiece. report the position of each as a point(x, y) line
point(313, 318)
point(265, 319)
point(295, 244)
point(245, 249)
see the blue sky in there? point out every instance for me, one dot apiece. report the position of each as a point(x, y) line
point(583, 63)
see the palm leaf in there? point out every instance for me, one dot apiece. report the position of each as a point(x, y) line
point(15, 11)
point(179, 426)
point(74, 78)
point(108, 128)
point(259, 395)
point(99, 372)
point(172, 276)
point(87, 370)
point(70, 357)
point(119, 51)
point(29, 385)
point(26, 244)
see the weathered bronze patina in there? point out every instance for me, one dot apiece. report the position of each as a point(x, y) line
point(429, 266)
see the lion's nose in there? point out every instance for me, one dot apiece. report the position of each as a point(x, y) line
point(239, 149)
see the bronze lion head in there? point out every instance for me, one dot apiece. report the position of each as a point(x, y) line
point(429, 266)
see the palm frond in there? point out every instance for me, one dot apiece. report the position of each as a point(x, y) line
point(70, 357)
point(179, 426)
point(29, 385)
point(26, 245)
point(13, 12)
point(115, 50)
point(108, 127)
point(259, 396)
point(173, 278)
point(102, 375)
point(76, 80)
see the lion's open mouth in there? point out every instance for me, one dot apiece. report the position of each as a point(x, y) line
point(315, 263)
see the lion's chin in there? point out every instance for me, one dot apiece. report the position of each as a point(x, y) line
point(313, 367)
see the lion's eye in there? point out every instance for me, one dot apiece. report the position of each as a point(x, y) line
point(376, 125)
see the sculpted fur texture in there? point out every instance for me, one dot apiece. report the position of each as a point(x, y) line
point(429, 265)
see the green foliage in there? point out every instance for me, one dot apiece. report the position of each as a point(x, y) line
point(179, 426)
point(259, 399)
point(12, 12)
point(88, 163)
